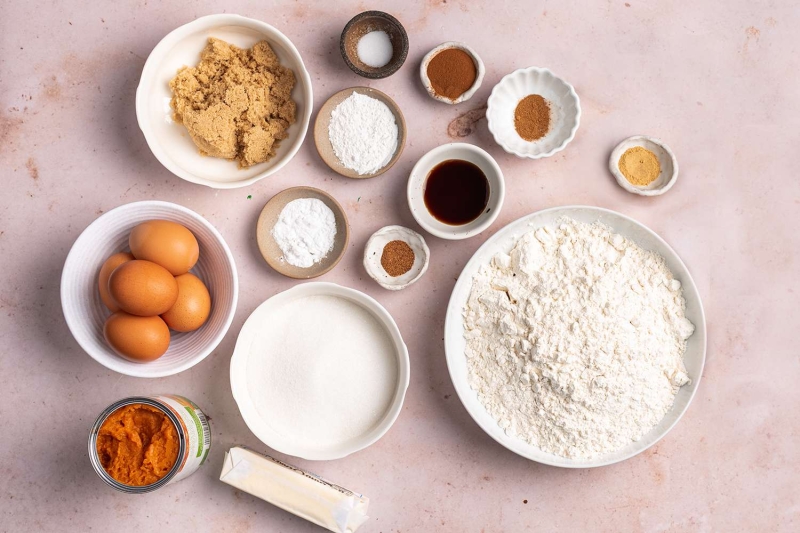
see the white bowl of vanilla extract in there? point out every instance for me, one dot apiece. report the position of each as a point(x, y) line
point(456, 191)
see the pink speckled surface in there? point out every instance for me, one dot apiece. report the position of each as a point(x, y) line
point(717, 81)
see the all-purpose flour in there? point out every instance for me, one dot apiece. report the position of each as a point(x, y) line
point(575, 340)
point(363, 133)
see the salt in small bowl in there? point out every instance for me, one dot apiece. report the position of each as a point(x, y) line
point(666, 158)
point(365, 23)
point(426, 81)
point(374, 250)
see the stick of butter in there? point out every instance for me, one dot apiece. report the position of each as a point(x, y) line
point(294, 490)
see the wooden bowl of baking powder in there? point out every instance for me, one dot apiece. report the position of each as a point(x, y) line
point(270, 249)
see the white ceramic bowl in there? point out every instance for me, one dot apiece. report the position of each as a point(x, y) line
point(565, 112)
point(374, 250)
point(170, 142)
point(86, 314)
point(669, 166)
point(416, 190)
point(479, 67)
point(503, 240)
point(239, 362)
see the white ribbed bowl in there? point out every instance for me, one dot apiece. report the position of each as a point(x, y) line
point(564, 119)
point(85, 313)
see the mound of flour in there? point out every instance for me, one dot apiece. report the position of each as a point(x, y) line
point(575, 339)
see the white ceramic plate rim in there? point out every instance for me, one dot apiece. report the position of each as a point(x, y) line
point(573, 94)
point(149, 70)
point(73, 256)
point(238, 370)
point(454, 330)
point(418, 177)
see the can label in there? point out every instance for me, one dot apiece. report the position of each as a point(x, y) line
point(195, 428)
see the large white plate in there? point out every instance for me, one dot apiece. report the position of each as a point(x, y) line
point(503, 240)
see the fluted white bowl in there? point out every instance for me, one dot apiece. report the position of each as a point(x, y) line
point(85, 313)
point(565, 109)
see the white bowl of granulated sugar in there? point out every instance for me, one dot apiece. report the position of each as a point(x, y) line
point(319, 371)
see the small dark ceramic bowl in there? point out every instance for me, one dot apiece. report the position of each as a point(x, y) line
point(367, 22)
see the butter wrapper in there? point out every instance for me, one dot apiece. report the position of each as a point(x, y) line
point(295, 490)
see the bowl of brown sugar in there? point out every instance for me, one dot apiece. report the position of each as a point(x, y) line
point(533, 113)
point(224, 101)
point(452, 72)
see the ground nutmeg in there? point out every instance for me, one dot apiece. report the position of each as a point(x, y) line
point(452, 72)
point(397, 258)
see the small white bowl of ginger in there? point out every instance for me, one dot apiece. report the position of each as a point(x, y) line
point(643, 165)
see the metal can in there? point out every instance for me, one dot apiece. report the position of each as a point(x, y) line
point(194, 436)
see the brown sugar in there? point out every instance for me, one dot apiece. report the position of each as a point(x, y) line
point(532, 117)
point(137, 444)
point(236, 104)
point(451, 72)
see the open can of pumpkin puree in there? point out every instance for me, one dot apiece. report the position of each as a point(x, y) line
point(140, 444)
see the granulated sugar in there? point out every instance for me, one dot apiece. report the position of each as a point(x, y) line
point(322, 371)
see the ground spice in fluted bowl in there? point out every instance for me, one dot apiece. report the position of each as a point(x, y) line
point(397, 258)
point(532, 117)
point(452, 72)
point(640, 166)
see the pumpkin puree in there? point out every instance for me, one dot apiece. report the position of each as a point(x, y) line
point(137, 444)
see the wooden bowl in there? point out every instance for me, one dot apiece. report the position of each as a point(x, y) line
point(367, 22)
point(272, 253)
point(323, 141)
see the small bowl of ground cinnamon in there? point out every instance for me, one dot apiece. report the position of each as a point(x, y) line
point(452, 72)
point(643, 165)
point(533, 113)
point(396, 257)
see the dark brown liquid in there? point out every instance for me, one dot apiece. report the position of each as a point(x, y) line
point(456, 192)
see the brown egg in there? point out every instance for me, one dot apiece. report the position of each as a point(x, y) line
point(192, 307)
point(138, 338)
point(105, 271)
point(143, 288)
point(166, 243)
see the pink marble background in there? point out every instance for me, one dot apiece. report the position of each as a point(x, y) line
point(716, 80)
